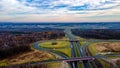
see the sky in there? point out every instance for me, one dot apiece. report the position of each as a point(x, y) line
point(59, 10)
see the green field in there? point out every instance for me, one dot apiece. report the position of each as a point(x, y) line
point(65, 51)
point(62, 47)
point(59, 44)
point(92, 49)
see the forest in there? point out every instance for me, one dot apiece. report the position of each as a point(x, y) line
point(97, 33)
point(15, 43)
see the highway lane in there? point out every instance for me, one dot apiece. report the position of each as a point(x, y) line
point(73, 54)
point(83, 54)
point(103, 57)
point(36, 46)
point(73, 51)
point(75, 45)
point(72, 61)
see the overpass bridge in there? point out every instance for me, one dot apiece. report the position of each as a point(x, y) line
point(70, 59)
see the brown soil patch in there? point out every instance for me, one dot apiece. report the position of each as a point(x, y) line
point(108, 46)
point(32, 56)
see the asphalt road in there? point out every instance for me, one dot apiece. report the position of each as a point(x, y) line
point(36, 46)
point(76, 51)
point(72, 61)
point(74, 45)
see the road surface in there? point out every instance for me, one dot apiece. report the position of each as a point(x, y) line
point(76, 49)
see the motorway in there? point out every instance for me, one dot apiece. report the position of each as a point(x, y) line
point(72, 61)
point(63, 57)
point(76, 50)
point(75, 45)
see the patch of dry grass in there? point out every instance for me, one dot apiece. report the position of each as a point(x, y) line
point(108, 46)
point(32, 56)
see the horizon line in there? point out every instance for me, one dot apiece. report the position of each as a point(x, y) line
point(59, 22)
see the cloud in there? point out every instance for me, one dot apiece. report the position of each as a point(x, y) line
point(54, 5)
point(12, 7)
point(54, 8)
